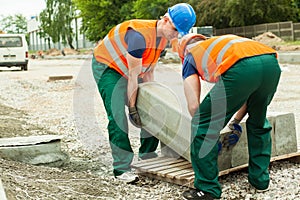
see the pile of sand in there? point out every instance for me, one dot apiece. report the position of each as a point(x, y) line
point(268, 38)
point(69, 51)
point(275, 42)
point(53, 52)
point(65, 51)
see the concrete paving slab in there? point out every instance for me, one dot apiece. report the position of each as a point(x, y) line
point(285, 133)
point(36, 150)
point(30, 140)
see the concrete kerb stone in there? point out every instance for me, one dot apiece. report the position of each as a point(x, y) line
point(289, 57)
point(173, 129)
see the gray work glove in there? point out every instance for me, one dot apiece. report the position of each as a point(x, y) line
point(134, 117)
point(234, 121)
point(236, 132)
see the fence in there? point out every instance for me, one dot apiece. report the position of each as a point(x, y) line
point(285, 30)
point(42, 44)
point(37, 42)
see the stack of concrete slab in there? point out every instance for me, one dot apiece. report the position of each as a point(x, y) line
point(163, 115)
point(36, 150)
point(283, 135)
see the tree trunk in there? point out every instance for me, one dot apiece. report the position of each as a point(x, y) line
point(49, 43)
point(70, 40)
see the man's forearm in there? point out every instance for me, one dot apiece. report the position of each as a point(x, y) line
point(149, 76)
point(132, 90)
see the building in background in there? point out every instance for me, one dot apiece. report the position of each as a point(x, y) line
point(36, 42)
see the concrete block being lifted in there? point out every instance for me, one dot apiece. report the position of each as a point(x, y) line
point(163, 115)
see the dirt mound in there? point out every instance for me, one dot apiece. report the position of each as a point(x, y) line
point(69, 51)
point(275, 42)
point(53, 52)
point(268, 38)
point(64, 52)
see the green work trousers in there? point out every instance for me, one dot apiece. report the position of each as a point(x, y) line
point(252, 80)
point(112, 87)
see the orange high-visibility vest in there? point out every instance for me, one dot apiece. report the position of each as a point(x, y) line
point(216, 55)
point(112, 49)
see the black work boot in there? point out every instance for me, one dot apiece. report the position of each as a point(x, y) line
point(197, 194)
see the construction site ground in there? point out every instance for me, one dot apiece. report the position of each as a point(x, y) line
point(30, 104)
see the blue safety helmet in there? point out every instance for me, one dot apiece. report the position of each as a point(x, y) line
point(183, 17)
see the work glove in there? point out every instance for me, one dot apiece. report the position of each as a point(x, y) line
point(236, 131)
point(232, 122)
point(219, 147)
point(134, 117)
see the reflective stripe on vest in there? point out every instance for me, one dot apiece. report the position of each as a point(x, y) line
point(227, 46)
point(205, 59)
point(113, 52)
point(215, 56)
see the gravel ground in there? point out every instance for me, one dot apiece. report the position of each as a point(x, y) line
point(31, 105)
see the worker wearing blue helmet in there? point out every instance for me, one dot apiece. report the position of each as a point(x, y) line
point(183, 17)
point(125, 57)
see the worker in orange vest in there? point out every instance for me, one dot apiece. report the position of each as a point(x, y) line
point(245, 72)
point(126, 56)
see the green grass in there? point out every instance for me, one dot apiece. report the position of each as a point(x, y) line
point(292, 42)
point(32, 51)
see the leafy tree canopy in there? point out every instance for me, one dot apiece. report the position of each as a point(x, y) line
point(99, 16)
point(14, 24)
point(231, 13)
point(56, 21)
point(154, 9)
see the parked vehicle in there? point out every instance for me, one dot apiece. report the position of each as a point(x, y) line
point(13, 51)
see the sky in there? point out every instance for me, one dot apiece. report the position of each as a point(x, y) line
point(27, 8)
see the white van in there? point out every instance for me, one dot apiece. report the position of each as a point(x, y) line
point(13, 51)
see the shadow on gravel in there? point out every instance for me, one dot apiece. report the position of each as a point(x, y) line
point(13, 124)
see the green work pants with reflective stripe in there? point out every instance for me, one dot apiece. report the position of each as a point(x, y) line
point(252, 80)
point(112, 87)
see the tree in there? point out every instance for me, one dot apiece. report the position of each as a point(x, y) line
point(212, 12)
point(56, 21)
point(296, 5)
point(14, 24)
point(47, 31)
point(250, 12)
point(222, 14)
point(108, 14)
point(153, 10)
point(112, 12)
point(218, 13)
